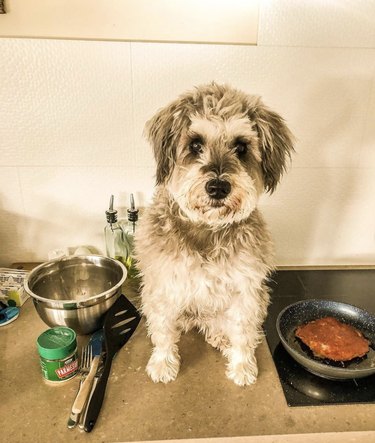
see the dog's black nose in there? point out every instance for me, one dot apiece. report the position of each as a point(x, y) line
point(218, 189)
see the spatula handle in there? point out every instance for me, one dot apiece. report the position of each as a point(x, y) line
point(97, 397)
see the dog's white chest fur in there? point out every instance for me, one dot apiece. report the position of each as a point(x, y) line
point(201, 273)
point(210, 287)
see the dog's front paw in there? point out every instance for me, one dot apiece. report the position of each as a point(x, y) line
point(243, 373)
point(163, 367)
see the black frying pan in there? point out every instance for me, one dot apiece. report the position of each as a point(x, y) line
point(307, 310)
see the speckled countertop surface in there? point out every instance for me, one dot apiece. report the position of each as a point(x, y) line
point(201, 403)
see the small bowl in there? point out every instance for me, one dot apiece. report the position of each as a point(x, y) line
point(76, 291)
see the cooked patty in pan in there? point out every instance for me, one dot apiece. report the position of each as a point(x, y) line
point(332, 339)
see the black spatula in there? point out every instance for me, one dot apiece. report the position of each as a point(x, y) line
point(120, 322)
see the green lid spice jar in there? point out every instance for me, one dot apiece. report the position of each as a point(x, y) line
point(58, 354)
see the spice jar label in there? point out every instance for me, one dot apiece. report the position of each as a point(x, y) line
point(58, 354)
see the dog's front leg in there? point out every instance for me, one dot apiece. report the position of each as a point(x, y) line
point(244, 334)
point(242, 365)
point(164, 362)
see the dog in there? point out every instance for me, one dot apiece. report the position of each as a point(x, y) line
point(202, 247)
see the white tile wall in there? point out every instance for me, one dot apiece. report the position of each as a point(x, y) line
point(72, 115)
point(66, 206)
point(323, 216)
point(59, 103)
point(12, 220)
point(317, 23)
point(322, 92)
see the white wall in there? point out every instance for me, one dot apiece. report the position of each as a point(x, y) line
point(72, 115)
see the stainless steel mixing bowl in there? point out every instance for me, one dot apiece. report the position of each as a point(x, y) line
point(76, 291)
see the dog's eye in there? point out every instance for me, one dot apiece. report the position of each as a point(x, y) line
point(196, 146)
point(240, 148)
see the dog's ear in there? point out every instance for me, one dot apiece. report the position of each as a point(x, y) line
point(276, 144)
point(163, 132)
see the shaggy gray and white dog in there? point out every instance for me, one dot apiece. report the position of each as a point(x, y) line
point(202, 247)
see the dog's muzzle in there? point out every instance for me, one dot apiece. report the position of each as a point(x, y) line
point(218, 189)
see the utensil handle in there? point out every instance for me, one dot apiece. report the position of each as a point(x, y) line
point(83, 415)
point(97, 397)
point(73, 418)
point(84, 391)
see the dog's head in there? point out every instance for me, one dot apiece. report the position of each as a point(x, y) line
point(217, 149)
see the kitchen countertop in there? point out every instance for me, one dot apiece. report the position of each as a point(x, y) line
point(201, 403)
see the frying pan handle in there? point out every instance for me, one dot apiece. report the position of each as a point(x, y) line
point(97, 398)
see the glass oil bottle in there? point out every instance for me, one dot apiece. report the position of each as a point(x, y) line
point(115, 238)
point(129, 227)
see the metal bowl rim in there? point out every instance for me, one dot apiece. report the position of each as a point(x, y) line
point(315, 363)
point(101, 295)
